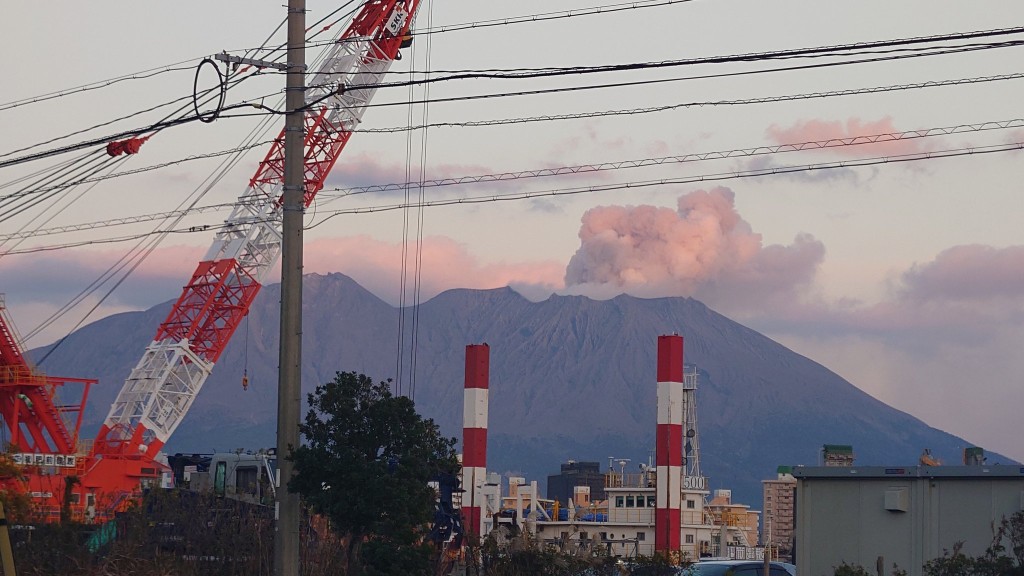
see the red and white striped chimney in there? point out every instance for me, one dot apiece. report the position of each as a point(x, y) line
point(669, 444)
point(474, 437)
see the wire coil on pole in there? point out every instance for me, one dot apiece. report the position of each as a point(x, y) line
point(209, 117)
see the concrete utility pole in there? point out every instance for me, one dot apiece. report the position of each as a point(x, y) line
point(286, 539)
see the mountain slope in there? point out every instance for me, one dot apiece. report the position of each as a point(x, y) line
point(571, 378)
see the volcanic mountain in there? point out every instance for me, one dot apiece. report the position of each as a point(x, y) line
point(571, 378)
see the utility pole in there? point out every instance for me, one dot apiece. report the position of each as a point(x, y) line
point(286, 538)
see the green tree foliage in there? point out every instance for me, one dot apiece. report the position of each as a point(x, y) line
point(365, 465)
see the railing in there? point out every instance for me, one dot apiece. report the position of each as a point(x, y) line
point(630, 480)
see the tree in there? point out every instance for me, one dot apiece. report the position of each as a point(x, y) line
point(366, 463)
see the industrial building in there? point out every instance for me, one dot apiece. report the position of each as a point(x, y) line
point(905, 515)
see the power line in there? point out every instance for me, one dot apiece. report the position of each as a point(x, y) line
point(699, 77)
point(124, 221)
point(737, 174)
point(567, 170)
point(175, 67)
point(140, 170)
point(546, 16)
point(857, 49)
point(702, 104)
point(769, 99)
point(686, 158)
point(712, 177)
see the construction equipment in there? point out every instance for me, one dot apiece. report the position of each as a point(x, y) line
point(163, 385)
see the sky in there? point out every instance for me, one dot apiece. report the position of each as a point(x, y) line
point(905, 278)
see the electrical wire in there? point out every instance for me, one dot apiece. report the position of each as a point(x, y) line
point(559, 171)
point(142, 169)
point(736, 174)
point(605, 113)
point(546, 16)
point(567, 89)
point(711, 177)
point(420, 223)
point(680, 159)
point(175, 67)
point(700, 104)
point(126, 220)
point(860, 49)
point(142, 251)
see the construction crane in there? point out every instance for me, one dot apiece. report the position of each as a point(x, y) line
point(165, 382)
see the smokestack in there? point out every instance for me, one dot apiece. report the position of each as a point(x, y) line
point(669, 444)
point(474, 437)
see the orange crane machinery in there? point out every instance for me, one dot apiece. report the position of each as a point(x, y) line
point(163, 385)
point(40, 437)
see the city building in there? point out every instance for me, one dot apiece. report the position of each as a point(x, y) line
point(573, 474)
point(779, 519)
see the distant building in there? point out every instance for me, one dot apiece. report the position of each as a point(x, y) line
point(737, 522)
point(779, 517)
point(573, 474)
point(837, 455)
point(903, 515)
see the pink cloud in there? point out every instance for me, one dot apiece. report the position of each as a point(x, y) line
point(365, 170)
point(446, 264)
point(965, 294)
point(702, 248)
point(39, 285)
point(854, 128)
point(969, 272)
point(59, 275)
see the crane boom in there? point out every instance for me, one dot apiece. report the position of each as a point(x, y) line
point(163, 385)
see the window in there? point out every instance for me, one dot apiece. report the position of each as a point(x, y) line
point(620, 501)
point(220, 478)
point(629, 501)
point(651, 502)
point(690, 504)
point(583, 536)
point(76, 498)
point(603, 535)
point(641, 536)
point(640, 501)
point(245, 480)
point(689, 538)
